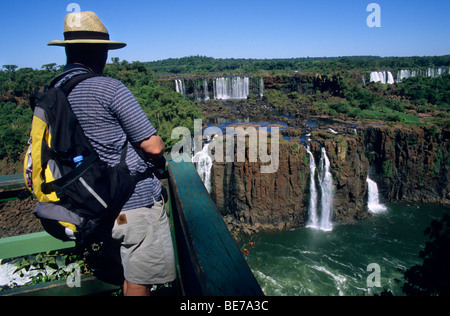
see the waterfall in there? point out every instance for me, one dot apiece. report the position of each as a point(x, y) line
point(179, 86)
point(313, 217)
point(373, 202)
point(382, 76)
point(203, 163)
point(261, 87)
point(326, 186)
point(234, 88)
point(326, 190)
point(387, 77)
point(403, 74)
point(220, 88)
point(430, 72)
point(390, 78)
point(205, 89)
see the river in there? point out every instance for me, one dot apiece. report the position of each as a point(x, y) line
point(307, 261)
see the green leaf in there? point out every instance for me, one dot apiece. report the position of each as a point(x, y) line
point(61, 262)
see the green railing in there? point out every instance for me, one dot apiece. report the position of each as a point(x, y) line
point(209, 263)
point(12, 187)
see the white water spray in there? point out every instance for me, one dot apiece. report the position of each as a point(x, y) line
point(373, 202)
point(313, 216)
point(234, 88)
point(203, 163)
point(326, 186)
point(327, 192)
point(382, 76)
point(180, 87)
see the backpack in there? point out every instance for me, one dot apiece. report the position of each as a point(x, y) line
point(79, 196)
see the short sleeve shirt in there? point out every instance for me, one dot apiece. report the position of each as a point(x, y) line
point(109, 115)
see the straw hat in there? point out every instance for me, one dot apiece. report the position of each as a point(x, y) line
point(85, 28)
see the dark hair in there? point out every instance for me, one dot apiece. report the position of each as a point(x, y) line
point(93, 56)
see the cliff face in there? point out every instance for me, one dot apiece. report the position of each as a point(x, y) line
point(304, 84)
point(412, 164)
point(349, 167)
point(252, 201)
point(409, 164)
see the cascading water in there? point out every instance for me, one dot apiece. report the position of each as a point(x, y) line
point(402, 74)
point(180, 88)
point(373, 202)
point(313, 217)
point(220, 88)
point(326, 186)
point(235, 88)
point(261, 87)
point(205, 89)
point(382, 76)
point(326, 190)
point(203, 163)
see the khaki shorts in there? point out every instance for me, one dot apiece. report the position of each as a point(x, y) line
point(146, 245)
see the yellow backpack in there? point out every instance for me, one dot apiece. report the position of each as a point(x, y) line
point(79, 196)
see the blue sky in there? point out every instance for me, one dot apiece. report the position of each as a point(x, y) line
point(156, 30)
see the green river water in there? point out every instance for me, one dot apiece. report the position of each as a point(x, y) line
point(307, 261)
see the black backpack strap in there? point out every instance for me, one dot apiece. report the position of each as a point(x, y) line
point(69, 82)
point(57, 185)
point(67, 75)
point(68, 86)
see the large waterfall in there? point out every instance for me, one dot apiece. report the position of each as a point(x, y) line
point(430, 72)
point(313, 216)
point(326, 186)
point(203, 163)
point(326, 190)
point(234, 88)
point(205, 90)
point(373, 202)
point(382, 76)
point(180, 87)
point(387, 77)
point(221, 88)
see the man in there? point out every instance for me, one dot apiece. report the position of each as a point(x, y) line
point(109, 115)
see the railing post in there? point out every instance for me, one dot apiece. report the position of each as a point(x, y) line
point(211, 264)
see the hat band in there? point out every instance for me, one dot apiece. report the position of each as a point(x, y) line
point(84, 35)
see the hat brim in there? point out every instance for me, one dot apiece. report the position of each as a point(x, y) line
point(110, 44)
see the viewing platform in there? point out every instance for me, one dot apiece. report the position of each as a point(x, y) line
point(208, 261)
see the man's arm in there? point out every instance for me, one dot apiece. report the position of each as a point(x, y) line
point(153, 150)
point(153, 147)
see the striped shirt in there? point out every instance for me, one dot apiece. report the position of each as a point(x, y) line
point(109, 115)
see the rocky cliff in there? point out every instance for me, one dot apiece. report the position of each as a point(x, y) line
point(251, 201)
point(409, 164)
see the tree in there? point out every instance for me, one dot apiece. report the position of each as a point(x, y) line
point(433, 276)
point(10, 68)
point(49, 67)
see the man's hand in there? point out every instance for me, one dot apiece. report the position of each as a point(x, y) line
point(153, 148)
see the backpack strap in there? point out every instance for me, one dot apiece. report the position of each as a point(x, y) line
point(69, 85)
point(66, 77)
point(57, 185)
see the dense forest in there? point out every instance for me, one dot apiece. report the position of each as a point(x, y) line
point(414, 101)
point(418, 100)
point(325, 65)
point(165, 108)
